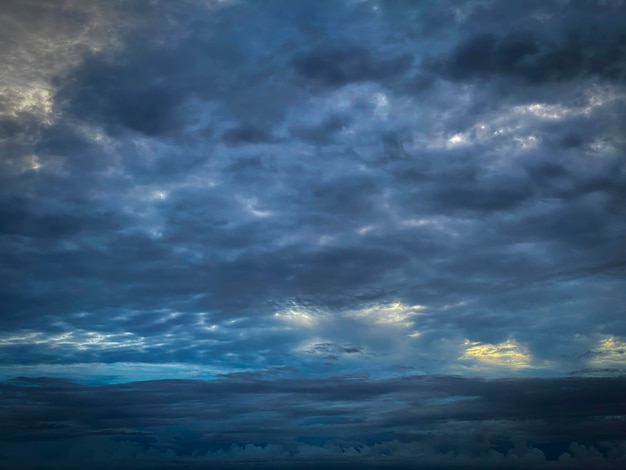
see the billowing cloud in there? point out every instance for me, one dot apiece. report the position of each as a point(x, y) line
point(204, 190)
point(168, 175)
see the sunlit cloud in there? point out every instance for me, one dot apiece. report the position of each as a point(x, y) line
point(79, 340)
point(35, 163)
point(297, 317)
point(609, 352)
point(394, 314)
point(508, 354)
point(544, 111)
point(35, 100)
point(459, 139)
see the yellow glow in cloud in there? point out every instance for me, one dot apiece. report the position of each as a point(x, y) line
point(609, 352)
point(459, 139)
point(394, 315)
point(388, 314)
point(507, 354)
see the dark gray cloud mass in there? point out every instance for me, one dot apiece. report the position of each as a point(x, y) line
point(213, 195)
point(265, 421)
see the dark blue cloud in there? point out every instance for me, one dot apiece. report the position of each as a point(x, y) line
point(194, 190)
point(334, 67)
point(446, 422)
point(536, 60)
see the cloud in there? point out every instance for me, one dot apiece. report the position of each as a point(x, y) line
point(609, 352)
point(211, 190)
point(334, 66)
point(565, 52)
point(245, 134)
point(446, 421)
point(507, 354)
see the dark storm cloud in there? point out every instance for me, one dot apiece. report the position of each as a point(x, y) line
point(346, 420)
point(306, 203)
point(586, 42)
point(331, 186)
point(146, 87)
point(524, 56)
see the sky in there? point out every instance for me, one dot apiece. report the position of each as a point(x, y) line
point(285, 234)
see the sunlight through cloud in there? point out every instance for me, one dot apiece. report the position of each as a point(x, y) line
point(508, 354)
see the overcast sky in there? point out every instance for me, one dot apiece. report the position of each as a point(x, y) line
point(272, 232)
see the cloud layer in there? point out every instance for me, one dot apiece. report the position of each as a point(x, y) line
point(200, 188)
point(348, 421)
